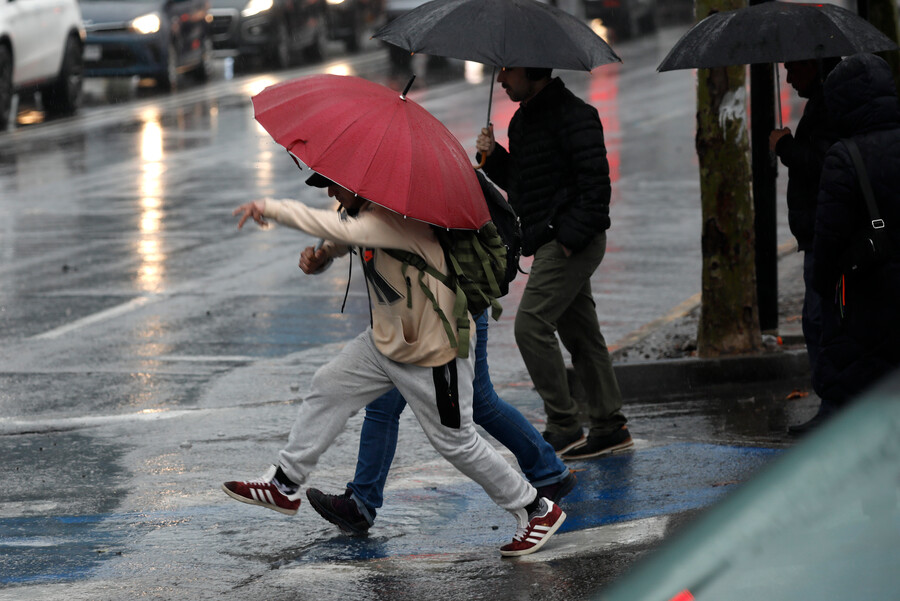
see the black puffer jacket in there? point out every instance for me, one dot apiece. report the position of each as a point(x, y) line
point(803, 154)
point(555, 172)
point(861, 340)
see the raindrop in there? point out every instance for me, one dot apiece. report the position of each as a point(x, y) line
point(186, 445)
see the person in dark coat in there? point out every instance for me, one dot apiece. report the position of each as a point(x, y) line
point(556, 175)
point(803, 154)
point(861, 317)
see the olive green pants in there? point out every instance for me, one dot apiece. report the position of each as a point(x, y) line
point(557, 298)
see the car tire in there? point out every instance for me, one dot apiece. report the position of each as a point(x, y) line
point(6, 86)
point(63, 97)
point(168, 79)
point(280, 52)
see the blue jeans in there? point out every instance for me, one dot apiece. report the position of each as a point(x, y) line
point(378, 439)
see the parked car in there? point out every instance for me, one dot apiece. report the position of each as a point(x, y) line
point(274, 31)
point(162, 39)
point(40, 49)
point(626, 18)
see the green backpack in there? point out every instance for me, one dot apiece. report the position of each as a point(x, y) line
point(477, 265)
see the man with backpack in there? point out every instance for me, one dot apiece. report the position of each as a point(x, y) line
point(355, 510)
point(557, 178)
point(407, 348)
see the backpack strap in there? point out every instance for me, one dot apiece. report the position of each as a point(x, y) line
point(862, 175)
point(460, 309)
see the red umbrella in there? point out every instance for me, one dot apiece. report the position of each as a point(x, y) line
point(376, 143)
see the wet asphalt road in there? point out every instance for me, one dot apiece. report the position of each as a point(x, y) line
point(149, 351)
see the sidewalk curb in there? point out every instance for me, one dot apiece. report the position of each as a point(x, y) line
point(677, 378)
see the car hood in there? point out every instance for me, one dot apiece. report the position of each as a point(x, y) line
point(237, 4)
point(96, 13)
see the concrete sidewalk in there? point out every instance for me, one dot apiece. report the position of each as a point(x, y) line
point(659, 361)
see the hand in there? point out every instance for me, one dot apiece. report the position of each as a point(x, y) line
point(253, 209)
point(485, 143)
point(776, 135)
point(312, 260)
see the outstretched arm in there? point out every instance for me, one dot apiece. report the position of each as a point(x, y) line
point(253, 209)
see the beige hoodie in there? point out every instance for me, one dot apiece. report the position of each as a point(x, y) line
point(406, 334)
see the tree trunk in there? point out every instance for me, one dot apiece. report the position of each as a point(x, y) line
point(883, 14)
point(729, 319)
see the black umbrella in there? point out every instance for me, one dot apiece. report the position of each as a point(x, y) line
point(774, 32)
point(500, 33)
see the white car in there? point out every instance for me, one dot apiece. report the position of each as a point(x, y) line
point(41, 45)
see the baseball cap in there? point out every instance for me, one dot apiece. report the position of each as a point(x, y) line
point(318, 181)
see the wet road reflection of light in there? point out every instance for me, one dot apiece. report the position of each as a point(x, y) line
point(152, 259)
point(257, 85)
point(473, 72)
point(599, 28)
point(339, 69)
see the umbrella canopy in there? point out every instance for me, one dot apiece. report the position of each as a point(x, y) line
point(500, 33)
point(774, 32)
point(376, 143)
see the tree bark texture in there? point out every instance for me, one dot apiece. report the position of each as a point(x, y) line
point(729, 318)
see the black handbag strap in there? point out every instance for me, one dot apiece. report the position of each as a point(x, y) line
point(865, 185)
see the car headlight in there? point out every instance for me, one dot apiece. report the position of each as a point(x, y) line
point(146, 24)
point(254, 7)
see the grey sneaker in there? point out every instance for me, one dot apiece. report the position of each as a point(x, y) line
point(596, 446)
point(563, 442)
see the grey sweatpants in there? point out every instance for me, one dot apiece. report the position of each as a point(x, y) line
point(359, 375)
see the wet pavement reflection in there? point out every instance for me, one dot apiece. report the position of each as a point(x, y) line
point(149, 350)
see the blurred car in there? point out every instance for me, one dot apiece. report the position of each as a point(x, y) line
point(400, 58)
point(162, 39)
point(820, 522)
point(40, 49)
point(346, 21)
point(274, 31)
point(626, 18)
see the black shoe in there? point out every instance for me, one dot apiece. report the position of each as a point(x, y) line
point(817, 420)
point(563, 442)
point(556, 491)
point(339, 510)
point(601, 445)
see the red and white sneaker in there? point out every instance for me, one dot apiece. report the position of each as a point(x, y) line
point(535, 529)
point(263, 492)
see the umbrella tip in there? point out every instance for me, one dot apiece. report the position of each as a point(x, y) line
point(408, 86)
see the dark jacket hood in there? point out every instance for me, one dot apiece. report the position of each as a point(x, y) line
point(861, 96)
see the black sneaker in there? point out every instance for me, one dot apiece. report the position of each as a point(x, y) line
point(595, 446)
point(340, 510)
point(555, 492)
point(563, 442)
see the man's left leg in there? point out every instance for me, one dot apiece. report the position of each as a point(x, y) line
point(339, 389)
point(449, 427)
point(354, 511)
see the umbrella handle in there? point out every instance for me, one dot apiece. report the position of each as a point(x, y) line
point(484, 156)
